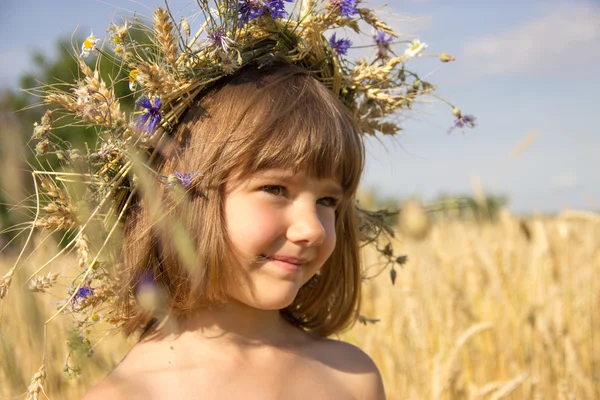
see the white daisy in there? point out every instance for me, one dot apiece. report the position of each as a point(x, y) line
point(88, 45)
point(415, 48)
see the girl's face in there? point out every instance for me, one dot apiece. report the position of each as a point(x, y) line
point(282, 226)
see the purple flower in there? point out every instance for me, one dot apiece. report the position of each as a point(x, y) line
point(146, 282)
point(276, 8)
point(252, 9)
point(347, 7)
point(463, 121)
point(220, 40)
point(151, 118)
point(380, 38)
point(180, 179)
point(339, 47)
point(82, 293)
point(249, 10)
point(105, 149)
point(185, 179)
point(383, 43)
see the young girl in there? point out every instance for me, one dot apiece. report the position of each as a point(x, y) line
point(278, 161)
point(235, 191)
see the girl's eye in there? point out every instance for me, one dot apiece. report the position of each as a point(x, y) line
point(278, 190)
point(275, 190)
point(329, 202)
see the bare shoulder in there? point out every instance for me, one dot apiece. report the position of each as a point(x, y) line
point(105, 390)
point(124, 382)
point(120, 386)
point(110, 388)
point(357, 368)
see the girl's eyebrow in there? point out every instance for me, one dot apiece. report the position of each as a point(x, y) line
point(334, 189)
point(330, 186)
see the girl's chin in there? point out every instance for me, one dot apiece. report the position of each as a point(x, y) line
point(275, 300)
point(267, 292)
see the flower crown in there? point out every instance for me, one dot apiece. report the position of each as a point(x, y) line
point(166, 75)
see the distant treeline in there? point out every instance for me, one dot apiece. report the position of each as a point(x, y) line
point(20, 109)
point(460, 207)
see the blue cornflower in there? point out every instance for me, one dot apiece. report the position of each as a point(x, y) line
point(82, 293)
point(252, 9)
point(339, 46)
point(151, 118)
point(347, 7)
point(380, 38)
point(276, 8)
point(463, 121)
point(383, 43)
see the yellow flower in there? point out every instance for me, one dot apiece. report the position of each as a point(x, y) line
point(119, 32)
point(88, 45)
point(134, 74)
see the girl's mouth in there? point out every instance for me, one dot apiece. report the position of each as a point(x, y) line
point(290, 264)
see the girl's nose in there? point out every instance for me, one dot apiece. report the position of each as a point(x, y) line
point(306, 226)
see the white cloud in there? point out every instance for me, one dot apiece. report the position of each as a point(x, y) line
point(564, 38)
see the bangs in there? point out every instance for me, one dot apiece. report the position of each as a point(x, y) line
point(296, 123)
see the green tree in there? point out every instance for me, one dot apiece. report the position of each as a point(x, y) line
point(22, 108)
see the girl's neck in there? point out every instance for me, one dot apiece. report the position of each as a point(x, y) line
point(234, 325)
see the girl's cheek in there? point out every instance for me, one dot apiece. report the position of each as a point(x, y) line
point(262, 219)
point(328, 222)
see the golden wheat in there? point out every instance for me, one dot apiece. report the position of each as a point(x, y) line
point(504, 310)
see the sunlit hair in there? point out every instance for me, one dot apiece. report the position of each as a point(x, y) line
point(274, 117)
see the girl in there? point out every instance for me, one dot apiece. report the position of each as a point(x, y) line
point(244, 259)
point(277, 160)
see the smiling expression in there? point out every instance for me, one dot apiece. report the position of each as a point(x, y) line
point(282, 227)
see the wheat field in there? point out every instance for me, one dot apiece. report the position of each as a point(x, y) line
point(482, 310)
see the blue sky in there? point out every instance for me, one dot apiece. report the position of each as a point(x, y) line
point(526, 69)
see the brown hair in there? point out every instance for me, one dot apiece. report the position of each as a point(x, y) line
point(260, 118)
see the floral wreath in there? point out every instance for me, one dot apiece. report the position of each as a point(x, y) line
point(165, 77)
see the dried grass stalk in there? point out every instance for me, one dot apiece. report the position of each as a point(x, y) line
point(156, 79)
point(42, 283)
point(60, 213)
point(91, 100)
point(83, 250)
point(36, 385)
point(164, 35)
point(445, 374)
point(5, 282)
point(509, 387)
